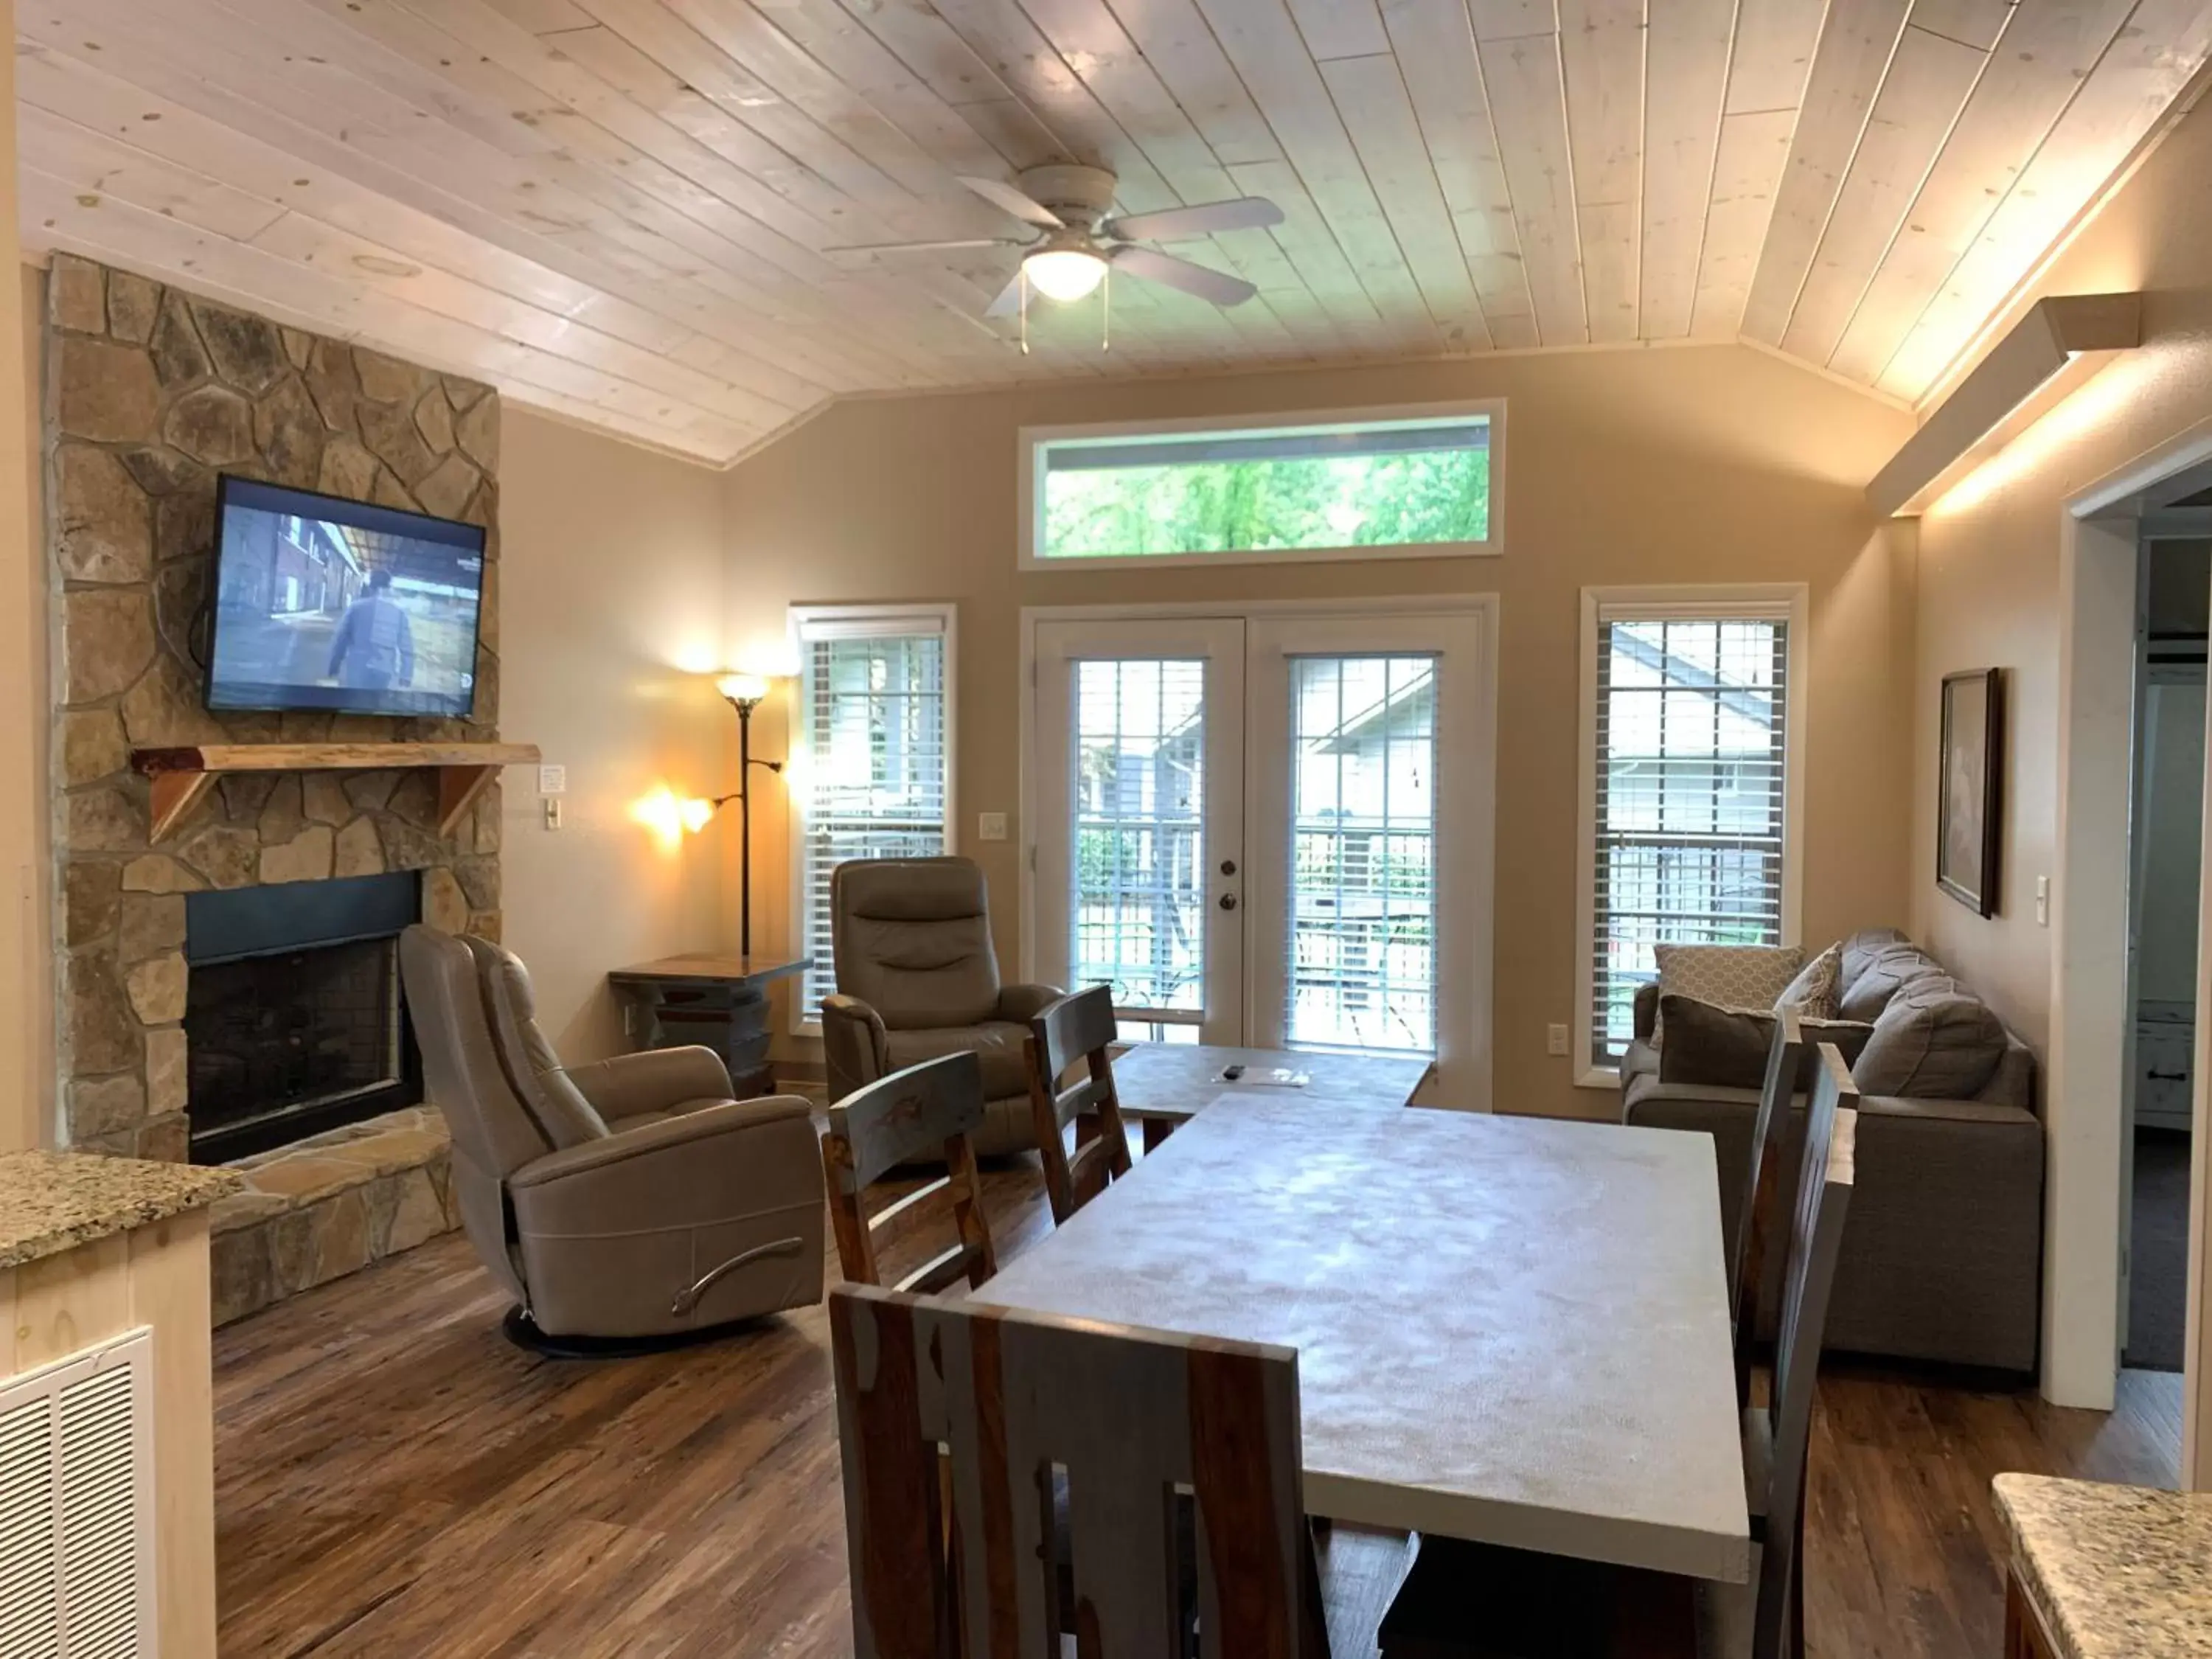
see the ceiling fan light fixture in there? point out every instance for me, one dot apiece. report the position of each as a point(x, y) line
point(1065, 273)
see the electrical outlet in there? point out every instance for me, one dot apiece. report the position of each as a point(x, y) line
point(1555, 1041)
point(552, 780)
point(990, 826)
point(553, 811)
point(2043, 900)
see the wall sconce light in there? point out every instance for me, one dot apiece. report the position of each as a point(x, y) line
point(2060, 344)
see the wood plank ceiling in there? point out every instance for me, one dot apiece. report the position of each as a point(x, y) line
point(617, 209)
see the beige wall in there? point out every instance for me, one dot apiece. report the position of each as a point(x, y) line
point(1989, 567)
point(612, 574)
point(1709, 464)
point(26, 1114)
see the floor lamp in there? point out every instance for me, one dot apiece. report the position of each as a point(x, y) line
point(744, 693)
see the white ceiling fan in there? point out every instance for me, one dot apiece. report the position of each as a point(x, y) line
point(1078, 237)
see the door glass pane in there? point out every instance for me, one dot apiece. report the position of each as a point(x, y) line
point(1139, 870)
point(1362, 957)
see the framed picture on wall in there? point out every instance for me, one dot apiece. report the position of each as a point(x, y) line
point(1969, 800)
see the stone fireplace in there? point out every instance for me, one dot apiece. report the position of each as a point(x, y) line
point(166, 1022)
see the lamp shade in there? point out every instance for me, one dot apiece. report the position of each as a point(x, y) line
point(742, 688)
point(1065, 273)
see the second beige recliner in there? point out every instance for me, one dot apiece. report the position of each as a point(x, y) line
point(627, 1203)
point(917, 978)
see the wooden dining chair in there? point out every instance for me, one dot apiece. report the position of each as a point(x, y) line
point(1788, 1070)
point(1078, 1027)
point(1004, 1408)
point(1475, 1600)
point(926, 1111)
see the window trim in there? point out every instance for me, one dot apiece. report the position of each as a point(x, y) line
point(1783, 602)
point(877, 621)
point(1030, 443)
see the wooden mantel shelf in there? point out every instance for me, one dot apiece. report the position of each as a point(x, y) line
point(181, 776)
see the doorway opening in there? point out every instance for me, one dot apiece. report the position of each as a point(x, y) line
point(2174, 577)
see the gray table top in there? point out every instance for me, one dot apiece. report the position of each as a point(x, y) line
point(1513, 1330)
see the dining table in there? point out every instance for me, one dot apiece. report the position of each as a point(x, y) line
point(1165, 1085)
point(1509, 1330)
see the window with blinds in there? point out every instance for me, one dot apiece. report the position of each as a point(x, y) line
point(876, 737)
point(1689, 795)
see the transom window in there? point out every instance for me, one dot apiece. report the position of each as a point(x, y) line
point(872, 746)
point(1689, 819)
point(1418, 483)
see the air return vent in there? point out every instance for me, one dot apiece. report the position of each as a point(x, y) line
point(76, 1506)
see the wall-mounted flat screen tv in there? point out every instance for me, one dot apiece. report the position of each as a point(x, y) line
point(325, 604)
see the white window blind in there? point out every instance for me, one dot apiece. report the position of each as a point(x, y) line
point(1691, 796)
point(872, 695)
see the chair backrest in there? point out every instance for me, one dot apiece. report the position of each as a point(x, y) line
point(533, 1070)
point(925, 1111)
point(911, 938)
point(1816, 1240)
point(1790, 1062)
point(1078, 1027)
point(494, 1134)
point(1130, 1417)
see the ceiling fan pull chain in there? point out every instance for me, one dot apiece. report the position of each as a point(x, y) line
point(1106, 311)
point(1023, 276)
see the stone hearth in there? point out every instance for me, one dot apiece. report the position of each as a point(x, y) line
point(151, 392)
point(327, 1206)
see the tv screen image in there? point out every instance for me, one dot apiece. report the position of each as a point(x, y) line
point(325, 604)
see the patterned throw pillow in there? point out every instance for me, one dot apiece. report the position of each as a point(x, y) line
point(1726, 975)
point(1813, 993)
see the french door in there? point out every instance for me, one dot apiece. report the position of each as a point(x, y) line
point(1139, 853)
point(1271, 831)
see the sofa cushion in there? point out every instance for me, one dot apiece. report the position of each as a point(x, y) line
point(1863, 947)
point(1886, 972)
point(998, 1043)
point(1932, 1041)
point(1727, 1047)
point(1813, 993)
point(1726, 975)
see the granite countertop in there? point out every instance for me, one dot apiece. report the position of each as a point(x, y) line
point(53, 1201)
point(2114, 1571)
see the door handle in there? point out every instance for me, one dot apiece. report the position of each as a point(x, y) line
point(1228, 901)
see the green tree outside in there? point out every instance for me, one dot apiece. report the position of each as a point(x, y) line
point(1342, 501)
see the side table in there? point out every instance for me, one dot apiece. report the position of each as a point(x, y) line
point(719, 1001)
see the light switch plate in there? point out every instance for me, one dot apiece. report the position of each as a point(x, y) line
point(553, 813)
point(990, 826)
point(2043, 900)
point(552, 780)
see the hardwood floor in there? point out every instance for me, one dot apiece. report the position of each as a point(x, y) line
point(393, 1478)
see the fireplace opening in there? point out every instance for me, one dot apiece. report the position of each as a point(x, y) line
point(294, 1019)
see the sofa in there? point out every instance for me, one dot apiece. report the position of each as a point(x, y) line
point(1942, 1253)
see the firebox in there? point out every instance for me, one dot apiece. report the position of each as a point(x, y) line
point(294, 1021)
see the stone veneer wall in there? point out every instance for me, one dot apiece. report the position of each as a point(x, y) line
point(149, 393)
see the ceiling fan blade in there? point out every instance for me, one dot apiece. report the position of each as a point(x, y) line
point(1006, 198)
point(924, 247)
point(1009, 301)
point(1213, 286)
point(1245, 213)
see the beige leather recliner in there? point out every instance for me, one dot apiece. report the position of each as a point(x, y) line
point(628, 1203)
point(917, 978)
